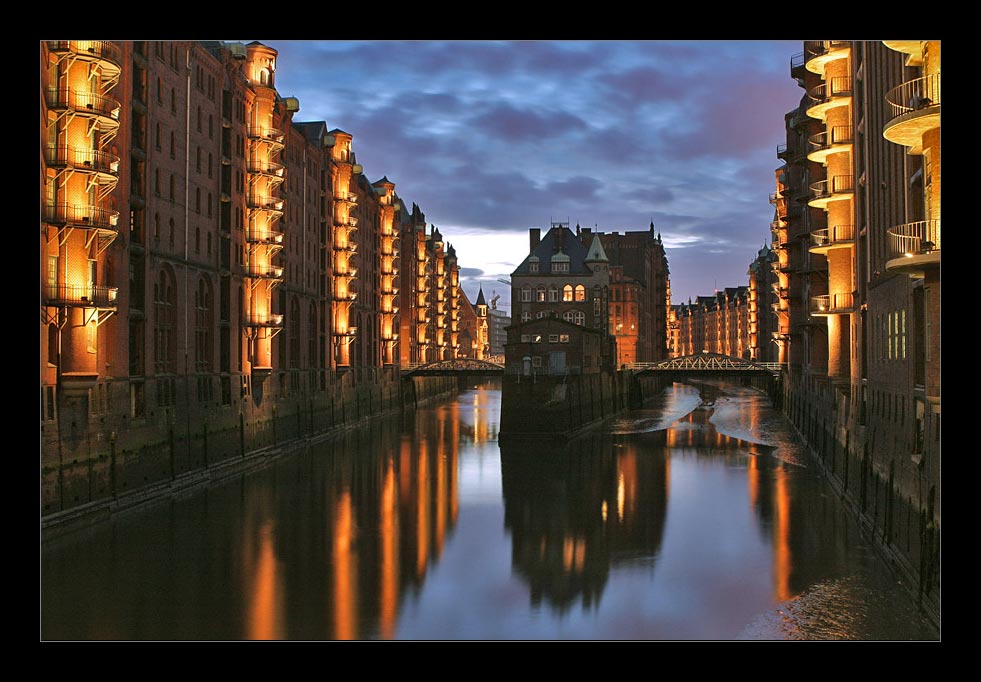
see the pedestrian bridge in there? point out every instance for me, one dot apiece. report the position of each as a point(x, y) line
point(455, 367)
point(706, 364)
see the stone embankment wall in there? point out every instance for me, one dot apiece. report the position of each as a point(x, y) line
point(885, 474)
point(95, 464)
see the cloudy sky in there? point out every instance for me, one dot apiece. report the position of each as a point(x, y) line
point(491, 138)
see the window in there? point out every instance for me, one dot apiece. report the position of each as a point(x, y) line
point(173, 187)
point(157, 137)
point(567, 293)
point(553, 338)
point(568, 315)
point(526, 294)
point(173, 101)
point(173, 145)
point(563, 338)
point(525, 316)
point(541, 313)
point(536, 361)
point(580, 292)
point(525, 338)
point(163, 308)
point(533, 267)
point(540, 294)
point(579, 317)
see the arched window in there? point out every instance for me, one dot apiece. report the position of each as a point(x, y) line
point(580, 292)
point(579, 317)
point(553, 294)
point(567, 293)
point(294, 331)
point(164, 316)
point(525, 316)
point(203, 310)
point(568, 315)
point(541, 294)
point(313, 360)
point(541, 314)
point(526, 294)
point(264, 77)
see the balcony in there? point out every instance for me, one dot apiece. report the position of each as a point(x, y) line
point(105, 110)
point(270, 237)
point(797, 69)
point(818, 53)
point(84, 160)
point(265, 203)
point(824, 144)
point(833, 304)
point(829, 95)
point(838, 236)
point(273, 136)
point(106, 53)
point(268, 169)
point(783, 152)
point(349, 248)
point(264, 271)
point(347, 273)
point(85, 217)
point(837, 188)
point(915, 109)
point(81, 296)
point(347, 198)
point(346, 297)
point(269, 320)
point(914, 247)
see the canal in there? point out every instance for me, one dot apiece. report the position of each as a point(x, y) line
point(698, 517)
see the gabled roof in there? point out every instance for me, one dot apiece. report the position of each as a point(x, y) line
point(548, 248)
point(596, 252)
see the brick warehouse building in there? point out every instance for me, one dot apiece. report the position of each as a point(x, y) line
point(857, 233)
point(216, 275)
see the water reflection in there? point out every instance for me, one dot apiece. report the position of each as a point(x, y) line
point(575, 510)
point(676, 522)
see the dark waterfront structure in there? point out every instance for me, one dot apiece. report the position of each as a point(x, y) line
point(217, 277)
point(857, 232)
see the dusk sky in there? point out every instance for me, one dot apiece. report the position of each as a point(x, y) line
point(491, 138)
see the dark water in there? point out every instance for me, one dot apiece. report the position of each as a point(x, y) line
point(683, 521)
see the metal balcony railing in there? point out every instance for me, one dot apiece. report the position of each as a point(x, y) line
point(266, 134)
point(82, 102)
point(264, 236)
point(914, 239)
point(75, 215)
point(103, 49)
point(82, 159)
point(265, 203)
point(819, 48)
point(832, 304)
point(915, 95)
point(267, 168)
point(348, 197)
point(837, 185)
point(264, 271)
point(839, 86)
point(84, 296)
point(263, 320)
point(827, 139)
point(833, 235)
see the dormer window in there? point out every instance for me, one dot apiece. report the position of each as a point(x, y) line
point(533, 267)
point(560, 267)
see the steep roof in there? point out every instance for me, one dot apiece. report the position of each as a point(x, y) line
point(548, 248)
point(480, 297)
point(596, 252)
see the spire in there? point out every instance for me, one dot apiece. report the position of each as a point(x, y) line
point(596, 253)
point(480, 296)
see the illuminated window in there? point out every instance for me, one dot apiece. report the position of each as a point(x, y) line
point(563, 338)
point(580, 292)
point(567, 293)
point(541, 294)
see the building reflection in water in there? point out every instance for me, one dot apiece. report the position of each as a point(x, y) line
point(574, 510)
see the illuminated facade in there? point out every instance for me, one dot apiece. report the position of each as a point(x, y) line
point(207, 261)
point(857, 231)
point(765, 297)
point(640, 292)
point(716, 324)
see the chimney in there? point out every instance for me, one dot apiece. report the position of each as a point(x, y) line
point(534, 236)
